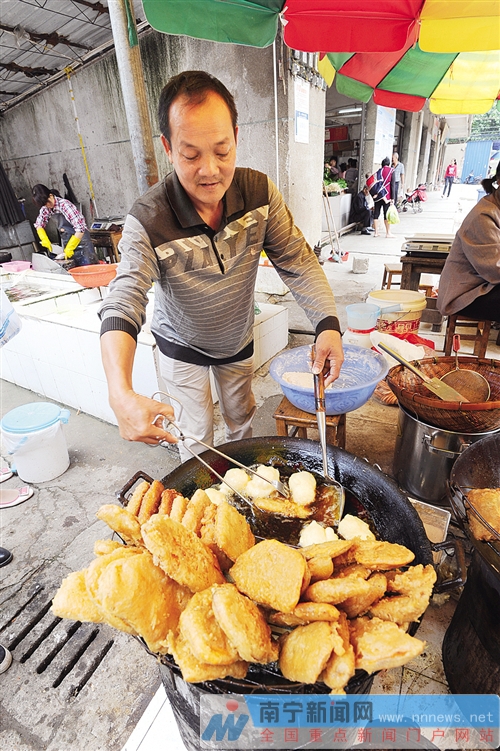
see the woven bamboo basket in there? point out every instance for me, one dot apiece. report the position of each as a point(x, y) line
point(460, 417)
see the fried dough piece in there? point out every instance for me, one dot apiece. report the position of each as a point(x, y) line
point(73, 601)
point(487, 502)
point(102, 547)
point(352, 526)
point(122, 522)
point(215, 495)
point(379, 645)
point(304, 613)
point(282, 506)
point(206, 640)
point(207, 535)
point(305, 651)
point(167, 498)
point(415, 586)
point(260, 488)
point(330, 549)
point(194, 671)
point(382, 555)
point(237, 478)
point(244, 625)
point(121, 590)
point(195, 510)
point(305, 581)
point(150, 502)
point(181, 554)
point(135, 500)
point(320, 567)
point(93, 574)
point(340, 667)
point(353, 568)
point(271, 573)
point(179, 506)
point(360, 604)
point(302, 488)
point(337, 590)
point(232, 531)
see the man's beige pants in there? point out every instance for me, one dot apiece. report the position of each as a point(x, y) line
point(190, 384)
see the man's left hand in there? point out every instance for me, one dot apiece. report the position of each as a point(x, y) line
point(329, 351)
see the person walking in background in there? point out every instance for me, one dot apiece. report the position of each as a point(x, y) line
point(77, 243)
point(380, 190)
point(449, 176)
point(399, 177)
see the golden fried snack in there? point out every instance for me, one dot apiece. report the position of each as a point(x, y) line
point(337, 589)
point(271, 573)
point(181, 554)
point(194, 671)
point(304, 613)
point(305, 581)
point(415, 586)
point(360, 604)
point(382, 555)
point(282, 507)
point(195, 510)
point(379, 645)
point(353, 568)
point(243, 624)
point(340, 667)
point(93, 574)
point(102, 547)
point(74, 602)
point(121, 590)
point(207, 536)
point(487, 502)
point(122, 522)
point(330, 549)
point(305, 651)
point(178, 509)
point(232, 531)
point(206, 640)
point(150, 501)
point(320, 567)
point(135, 500)
point(167, 498)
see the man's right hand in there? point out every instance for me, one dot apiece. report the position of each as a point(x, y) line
point(136, 418)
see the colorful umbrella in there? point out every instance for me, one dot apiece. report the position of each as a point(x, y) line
point(401, 52)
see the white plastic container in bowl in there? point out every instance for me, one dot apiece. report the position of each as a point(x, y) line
point(32, 435)
point(361, 371)
point(400, 322)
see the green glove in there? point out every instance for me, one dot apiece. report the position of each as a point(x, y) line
point(71, 246)
point(44, 240)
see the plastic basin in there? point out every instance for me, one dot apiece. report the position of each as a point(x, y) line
point(361, 371)
point(95, 275)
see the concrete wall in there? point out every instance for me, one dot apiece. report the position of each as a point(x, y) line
point(39, 141)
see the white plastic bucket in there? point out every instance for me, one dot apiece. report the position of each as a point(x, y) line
point(32, 434)
point(401, 322)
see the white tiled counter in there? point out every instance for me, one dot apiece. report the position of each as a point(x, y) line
point(57, 353)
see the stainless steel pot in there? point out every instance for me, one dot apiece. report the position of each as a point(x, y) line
point(424, 456)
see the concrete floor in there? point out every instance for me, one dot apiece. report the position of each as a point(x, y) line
point(97, 703)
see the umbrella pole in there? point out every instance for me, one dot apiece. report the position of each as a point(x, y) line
point(328, 210)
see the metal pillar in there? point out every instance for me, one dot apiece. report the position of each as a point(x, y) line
point(128, 57)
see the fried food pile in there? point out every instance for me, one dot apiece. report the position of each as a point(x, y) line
point(192, 582)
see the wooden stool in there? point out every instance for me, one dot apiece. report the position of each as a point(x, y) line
point(390, 270)
point(289, 416)
point(480, 336)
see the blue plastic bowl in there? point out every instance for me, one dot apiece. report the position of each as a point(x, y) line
point(361, 371)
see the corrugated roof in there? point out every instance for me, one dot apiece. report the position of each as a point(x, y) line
point(40, 38)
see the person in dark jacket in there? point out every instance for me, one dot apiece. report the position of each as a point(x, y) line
point(360, 213)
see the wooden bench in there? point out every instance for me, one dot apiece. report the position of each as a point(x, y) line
point(287, 416)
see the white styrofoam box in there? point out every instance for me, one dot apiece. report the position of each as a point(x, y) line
point(269, 281)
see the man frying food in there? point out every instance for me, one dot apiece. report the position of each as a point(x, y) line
point(198, 235)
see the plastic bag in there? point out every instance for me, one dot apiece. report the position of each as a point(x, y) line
point(392, 215)
point(10, 323)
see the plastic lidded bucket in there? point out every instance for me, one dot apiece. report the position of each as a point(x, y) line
point(32, 434)
point(400, 322)
point(362, 316)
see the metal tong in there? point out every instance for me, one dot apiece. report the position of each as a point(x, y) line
point(170, 426)
point(319, 403)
